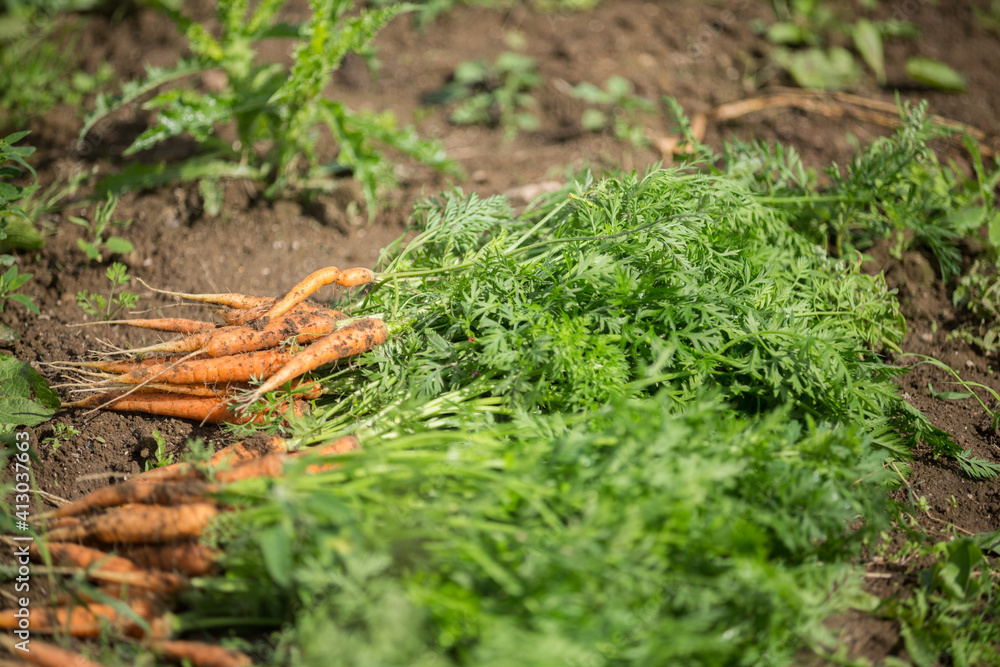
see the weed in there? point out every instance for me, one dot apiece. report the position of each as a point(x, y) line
point(804, 30)
point(496, 95)
point(616, 108)
point(16, 230)
point(60, 432)
point(108, 308)
point(162, 458)
point(275, 110)
point(38, 70)
point(98, 230)
point(10, 282)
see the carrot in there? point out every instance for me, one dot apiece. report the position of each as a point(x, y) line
point(105, 567)
point(141, 524)
point(243, 316)
point(200, 654)
point(239, 368)
point(355, 338)
point(204, 410)
point(108, 366)
point(272, 465)
point(355, 277)
point(43, 654)
point(191, 558)
point(235, 454)
point(348, 443)
point(231, 299)
point(183, 345)
point(161, 493)
point(76, 620)
point(298, 327)
point(168, 324)
point(315, 280)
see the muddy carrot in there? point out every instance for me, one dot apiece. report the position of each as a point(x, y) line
point(182, 345)
point(355, 338)
point(44, 654)
point(296, 327)
point(141, 524)
point(109, 366)
point(203, 410)
point(162, 493)
point(242, 316)
point(191, 558)
point(236, 368)
point(200, 654)
point(168, 324)
point(272, 465)
point(106, 567)
point(233, 455)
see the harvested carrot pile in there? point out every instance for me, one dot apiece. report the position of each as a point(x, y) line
point(204, 374)
point(137, 545)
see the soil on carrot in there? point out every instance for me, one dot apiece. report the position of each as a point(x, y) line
point(702, 54)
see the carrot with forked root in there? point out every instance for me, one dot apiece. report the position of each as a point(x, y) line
point(317, 279)
point(355, 338)
point(141, 524)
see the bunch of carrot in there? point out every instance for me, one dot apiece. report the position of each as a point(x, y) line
point(138, 543)
point(204, 374)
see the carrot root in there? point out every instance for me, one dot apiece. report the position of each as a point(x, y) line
point(43, 654)
point(200, 654)
point(141, 524)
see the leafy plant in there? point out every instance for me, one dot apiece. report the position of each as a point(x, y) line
point(10, 282)
point(161, 457)
point(25, 397)
point(60, 432)
point(107, 308)
point(274, 109)
point(616, 108)
point(894, 188)
point(16, 230)
point(38, 69)
point(495, 95)
point(98, 230)
point(805, 29)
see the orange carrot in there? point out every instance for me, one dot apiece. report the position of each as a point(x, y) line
point(161, 493)
point(122, 366)
point(315, 280)
point(271, 465)
point(296, 327)
point(76, 621)
point(355, 338)
point(239, 367)
point(348, 443)
point(191, 558)
point(200, 654)
point(233, 455)
point(242, 316)
point(43, 654)
point(105, 567)
point(231, 299)
point(140, 524)
point(204, 410)
point(168, 324)
point(183, 345)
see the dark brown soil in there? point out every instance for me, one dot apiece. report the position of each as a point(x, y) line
point(702, 54)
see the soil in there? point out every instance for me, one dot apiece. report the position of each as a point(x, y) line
point(701, 54)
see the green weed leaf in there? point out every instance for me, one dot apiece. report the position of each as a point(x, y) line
point(935, 74)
